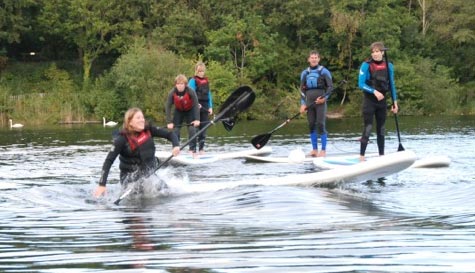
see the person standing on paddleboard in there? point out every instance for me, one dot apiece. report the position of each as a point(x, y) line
point(200, 84)
point(186, 110)
point(136, 150)
point(316, 86)
point(376, 80)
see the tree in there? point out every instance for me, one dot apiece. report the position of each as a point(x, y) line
point(95, 26)
point(15, 19)
point(246, 43)
point(142, 77)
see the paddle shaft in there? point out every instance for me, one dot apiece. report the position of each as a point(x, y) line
point(400, 147)
point(242, 97)
point(284, 123)
point(260, 140)
point(217, 118)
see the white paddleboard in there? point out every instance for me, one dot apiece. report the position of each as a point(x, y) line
point(368, 170)
point(271, 159)
point(288, 159)
point(333, 162)
point(432, 162)
point(187, 159)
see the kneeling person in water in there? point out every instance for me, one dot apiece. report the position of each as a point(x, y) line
point(136, 150)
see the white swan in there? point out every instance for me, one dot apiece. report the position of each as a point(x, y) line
point(16, 125)
point(109, 123)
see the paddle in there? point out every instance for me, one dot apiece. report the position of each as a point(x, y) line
point(241, 99)
point(260, 141)
point(400, 147)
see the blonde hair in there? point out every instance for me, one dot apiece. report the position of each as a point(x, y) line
point(181, 79)
point(129, 115)
point(198, 65)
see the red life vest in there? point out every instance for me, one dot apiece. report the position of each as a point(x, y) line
point(182, 101)
point(379, 76)
point(136, 141)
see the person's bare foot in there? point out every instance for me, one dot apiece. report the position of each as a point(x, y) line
point(322, 153)
point(313, 153)
point(362, 159)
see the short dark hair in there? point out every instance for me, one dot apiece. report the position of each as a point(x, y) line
point(313, 52)
point(377, 45)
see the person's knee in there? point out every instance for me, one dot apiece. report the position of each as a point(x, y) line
point(367, 131)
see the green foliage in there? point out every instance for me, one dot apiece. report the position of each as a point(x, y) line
point(55, 97)
point(144, 75)
point(94, 26)
point(262, 43)
point(425, 87)
point(16, 19)
point(222, 82)
point(182, 31)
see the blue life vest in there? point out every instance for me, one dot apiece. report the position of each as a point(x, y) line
point(313, 78)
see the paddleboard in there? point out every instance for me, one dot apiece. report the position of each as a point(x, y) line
point(288, 159)
point(271, 159)
point(187, 159)
point(432, 162)
point(333, 162)
point(367, 170)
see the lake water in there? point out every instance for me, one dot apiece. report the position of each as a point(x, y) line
point(418, 220)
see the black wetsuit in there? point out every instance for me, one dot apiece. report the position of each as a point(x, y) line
point(137, 159)
point(373, 75)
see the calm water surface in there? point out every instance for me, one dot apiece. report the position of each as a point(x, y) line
point(419, 220)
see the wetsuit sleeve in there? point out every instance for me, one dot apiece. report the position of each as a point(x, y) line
point(363, 76)
point(168, 106)
point(192, 84)
point(210, 99)
point(302, 87)
point(116, 148)
point(164, 133)
point(327, 77)
point(392, 82)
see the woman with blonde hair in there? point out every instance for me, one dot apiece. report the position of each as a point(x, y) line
point(136, 150)
point(200, 84)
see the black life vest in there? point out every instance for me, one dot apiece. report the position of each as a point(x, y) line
point(378, 76)
point(182, 100)
point(140, 154)
point(202, 91)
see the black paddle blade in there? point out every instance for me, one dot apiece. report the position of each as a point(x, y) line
point(260, 140)
point(400, 148)
point(241, 99)
point(229, 124)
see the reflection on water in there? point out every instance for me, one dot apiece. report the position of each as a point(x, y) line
point(419, 220)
